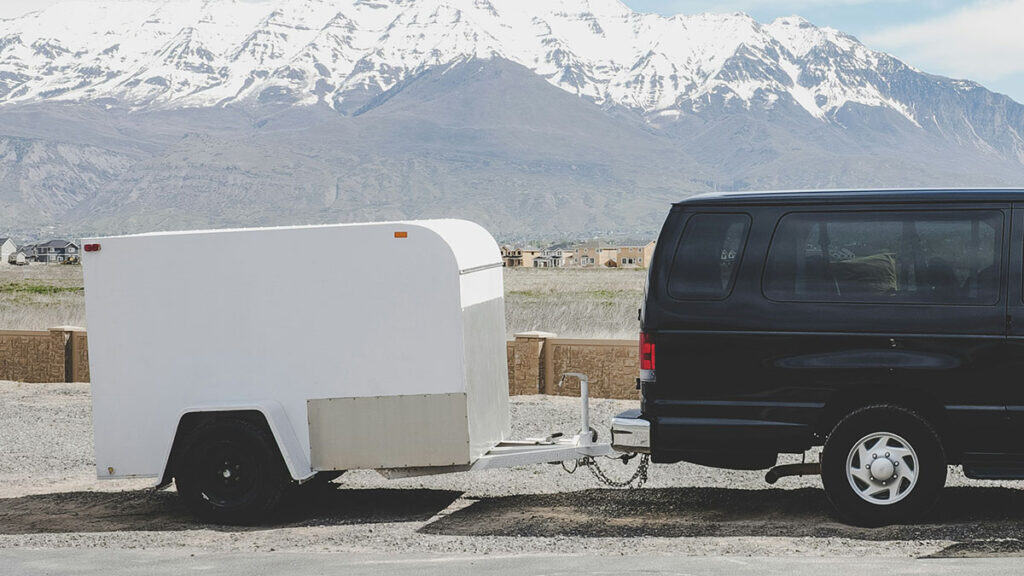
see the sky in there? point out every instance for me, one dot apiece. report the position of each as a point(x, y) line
point(980, 40)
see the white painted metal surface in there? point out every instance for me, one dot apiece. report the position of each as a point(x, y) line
point(268, 319)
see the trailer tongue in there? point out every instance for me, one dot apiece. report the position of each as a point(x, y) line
point(581, 447)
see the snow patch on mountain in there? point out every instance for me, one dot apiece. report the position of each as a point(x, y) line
point(201, 53)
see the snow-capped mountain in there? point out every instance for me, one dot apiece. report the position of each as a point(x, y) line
point(201, 53)
point(547, 116)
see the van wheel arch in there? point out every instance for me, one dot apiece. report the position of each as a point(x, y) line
point(192, 420)
point(923, 403)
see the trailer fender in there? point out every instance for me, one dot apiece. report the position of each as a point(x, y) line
point(295, 457)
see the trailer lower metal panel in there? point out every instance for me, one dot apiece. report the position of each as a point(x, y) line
point(389, 431)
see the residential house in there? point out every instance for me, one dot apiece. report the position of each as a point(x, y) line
point(636, 256)
point(7, 249)
point(596, 255)
point(591, 254)
point(506, 254)
point(553, 258)
point(52, 251)
point(528, 255)
point(519, 257)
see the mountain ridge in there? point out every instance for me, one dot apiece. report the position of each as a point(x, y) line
point(211, 52)
point(424, 102)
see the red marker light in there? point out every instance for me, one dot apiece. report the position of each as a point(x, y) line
point(92, 247)
point(647, 359)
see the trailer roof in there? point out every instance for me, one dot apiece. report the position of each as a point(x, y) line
point(471, 244)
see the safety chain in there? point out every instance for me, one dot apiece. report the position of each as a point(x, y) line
point(639, 477)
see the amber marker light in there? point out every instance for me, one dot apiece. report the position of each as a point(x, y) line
point(401, 234)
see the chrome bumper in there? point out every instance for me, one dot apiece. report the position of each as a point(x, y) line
point(631, 433)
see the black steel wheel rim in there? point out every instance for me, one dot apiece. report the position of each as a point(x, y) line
point(230, 472)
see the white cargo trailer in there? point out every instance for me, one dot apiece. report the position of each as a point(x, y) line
point(236, 362)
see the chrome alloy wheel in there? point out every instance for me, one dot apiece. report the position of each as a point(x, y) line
point(882, 468)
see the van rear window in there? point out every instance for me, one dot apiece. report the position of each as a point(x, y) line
point(707, 256)
point(941, 257)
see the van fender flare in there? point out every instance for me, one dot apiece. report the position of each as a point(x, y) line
point(294, 456)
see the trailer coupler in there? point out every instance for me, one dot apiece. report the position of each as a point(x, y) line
point(805, 469)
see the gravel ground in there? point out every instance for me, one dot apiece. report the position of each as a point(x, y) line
point(49, 497)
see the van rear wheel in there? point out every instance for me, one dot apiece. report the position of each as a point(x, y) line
point(883, 465)
point(229, 471)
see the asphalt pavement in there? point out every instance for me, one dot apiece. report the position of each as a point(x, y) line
point(74, 562)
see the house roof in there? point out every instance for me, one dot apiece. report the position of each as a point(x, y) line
point(3, 240)
point(55, 244)
point(638, 246)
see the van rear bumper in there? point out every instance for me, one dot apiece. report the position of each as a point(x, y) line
point(631, 433)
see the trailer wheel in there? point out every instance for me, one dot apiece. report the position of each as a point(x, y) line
point(883, 465)
point(229, 471)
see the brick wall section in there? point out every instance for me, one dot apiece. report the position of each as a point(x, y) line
point(536, 361)
point(610, 365)
point(32, 356)
point(526, 364)
point(79, 357)
point(510, 348)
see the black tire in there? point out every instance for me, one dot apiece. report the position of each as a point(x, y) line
point(909, 500)
point(229, 471)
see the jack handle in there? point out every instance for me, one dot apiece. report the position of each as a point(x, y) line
point(585, 437)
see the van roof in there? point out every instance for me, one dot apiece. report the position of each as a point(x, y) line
point(901, 195)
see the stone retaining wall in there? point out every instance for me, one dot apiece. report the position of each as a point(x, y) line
point(50, 356)
point(536, 361)
point(611, 367)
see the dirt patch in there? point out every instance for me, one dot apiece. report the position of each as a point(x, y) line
point(963, 515)
point(148, 510)
point(999, 548)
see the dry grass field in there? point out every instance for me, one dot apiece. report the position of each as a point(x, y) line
point(41, 296)
point(600, 303)
point(574, 303)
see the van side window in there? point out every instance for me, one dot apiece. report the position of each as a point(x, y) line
point(707, 256)
point(942, 257)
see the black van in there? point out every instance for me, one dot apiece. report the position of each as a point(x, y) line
point(879, 324)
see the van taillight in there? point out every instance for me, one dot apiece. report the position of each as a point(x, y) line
point(646, 353)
